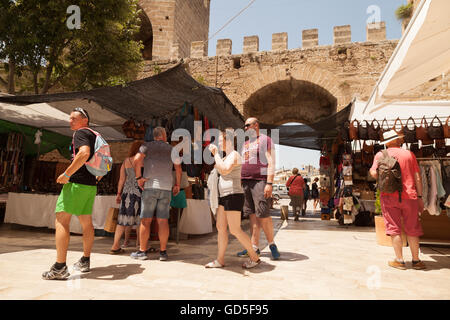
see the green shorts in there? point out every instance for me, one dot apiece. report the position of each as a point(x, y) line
point(77, 199)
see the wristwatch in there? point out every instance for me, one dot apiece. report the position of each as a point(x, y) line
point(269, 183)
point(138, 178)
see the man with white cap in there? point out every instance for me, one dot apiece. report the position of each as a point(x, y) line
point(403, 205)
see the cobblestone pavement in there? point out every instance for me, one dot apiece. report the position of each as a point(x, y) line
point(319, 260)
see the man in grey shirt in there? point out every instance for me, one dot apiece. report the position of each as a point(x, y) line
point(157, 185)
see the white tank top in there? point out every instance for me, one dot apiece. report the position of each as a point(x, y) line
point(231, 183)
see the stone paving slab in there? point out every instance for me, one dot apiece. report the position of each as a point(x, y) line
point(319, 260)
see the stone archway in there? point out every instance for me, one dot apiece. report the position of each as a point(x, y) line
point(145, 35)
point(299, 93)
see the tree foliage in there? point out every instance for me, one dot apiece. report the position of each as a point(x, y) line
point(35, 38)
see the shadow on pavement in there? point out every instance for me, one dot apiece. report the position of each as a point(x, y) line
point(113, 272)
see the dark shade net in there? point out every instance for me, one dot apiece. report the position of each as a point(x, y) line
point(312, 136)
point(159, 96)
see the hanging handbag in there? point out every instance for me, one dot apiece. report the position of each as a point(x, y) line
point(428, 151)
point(139, 133)
point(410, 134)
point(357, 157)
point(394, 127)
point(128, 128)
point(363, 132)
point(367, 154)
point(353, 130)
point(383, 128)
point(324, 161)
point(439, 143)
point(446, 127)
point(414, 148)
point(345, 131)
point(374, 133)
point(422, 132)
point(436, 132)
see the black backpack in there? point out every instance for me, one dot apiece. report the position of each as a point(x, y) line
point(389, 175)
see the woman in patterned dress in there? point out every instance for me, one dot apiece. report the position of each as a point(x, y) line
point(129, 198)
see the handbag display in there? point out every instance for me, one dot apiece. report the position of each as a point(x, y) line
point(422, 132)
point(139, 133)
point(374, 133)
point(353, 130)
point(436, 132)
point(410, 134)
point(446, 127)
point(427, 151)
point(363, 132)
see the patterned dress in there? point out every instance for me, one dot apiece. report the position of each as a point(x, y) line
point(130, 206)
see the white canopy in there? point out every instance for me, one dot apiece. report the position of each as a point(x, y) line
point(422, 54)
point(55, 117)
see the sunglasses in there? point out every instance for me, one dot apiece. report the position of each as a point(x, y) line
point(248, 125)
point(80, 110)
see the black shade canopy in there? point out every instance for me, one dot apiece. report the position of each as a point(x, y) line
point(154, 97)
point(312, 136)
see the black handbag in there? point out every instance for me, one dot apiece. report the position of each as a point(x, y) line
point(409, 134)
point(345, 136)
point(363, 132)
point(436, 132)
point(374, 133)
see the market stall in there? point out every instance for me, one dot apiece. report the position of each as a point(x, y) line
point(171, 99)
point(402, 101)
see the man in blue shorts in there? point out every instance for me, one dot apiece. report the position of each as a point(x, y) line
point(157, 184)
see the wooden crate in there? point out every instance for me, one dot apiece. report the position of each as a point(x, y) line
point(382, 238)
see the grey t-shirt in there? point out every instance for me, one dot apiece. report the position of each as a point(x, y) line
point(158, 165)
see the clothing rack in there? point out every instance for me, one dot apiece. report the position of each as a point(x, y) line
point(429, 159)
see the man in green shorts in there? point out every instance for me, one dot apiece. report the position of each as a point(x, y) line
point(76, 199)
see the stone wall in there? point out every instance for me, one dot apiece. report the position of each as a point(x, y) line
point(175, 24)
point(289, 83)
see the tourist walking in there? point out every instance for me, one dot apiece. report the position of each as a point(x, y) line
point(258, 168)
point(157, 184)
point(315, 193)
point(129, 198)
point(231, 201)
point(400, 197)
point(76, 198)
point(295, 185)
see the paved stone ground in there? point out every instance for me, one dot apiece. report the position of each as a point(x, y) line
point(319, 260)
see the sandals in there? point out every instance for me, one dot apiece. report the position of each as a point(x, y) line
point(118, 251)
point(214, 264)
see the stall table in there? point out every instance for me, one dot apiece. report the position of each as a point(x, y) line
point(196, 218)
point(38, 210)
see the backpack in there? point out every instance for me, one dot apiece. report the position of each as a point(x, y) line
point(389, 175)
point(101, 162)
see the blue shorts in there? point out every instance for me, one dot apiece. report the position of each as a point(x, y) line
point(155, 202)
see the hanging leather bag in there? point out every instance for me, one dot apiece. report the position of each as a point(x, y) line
point(353, 130)
point(410, 134)
point(436, 132)
point(414, 148)
point(395, 126)
point(383, 128)
point(363, 132)
point(374, 133)
point(367, 154)
point(447, 128)
point(128, 128)
point(422, 132)
point(345, 131)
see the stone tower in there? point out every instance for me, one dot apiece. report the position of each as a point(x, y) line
point(170, 26)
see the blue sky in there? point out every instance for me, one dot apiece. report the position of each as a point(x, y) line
point(265, 17)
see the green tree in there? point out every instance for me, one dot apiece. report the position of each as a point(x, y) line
point(35, 38)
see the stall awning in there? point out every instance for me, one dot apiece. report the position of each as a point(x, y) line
point(159, 96)
point(313, 136)
point(422, 54)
